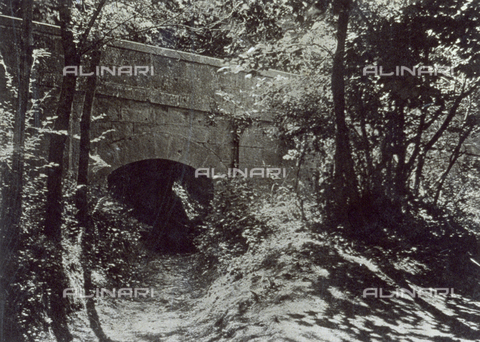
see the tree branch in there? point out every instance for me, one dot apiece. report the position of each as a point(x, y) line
point(450, 115)
point(93, 18)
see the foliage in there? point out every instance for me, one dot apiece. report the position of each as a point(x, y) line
point(225, 28)
point(407, 133)
point(30, 288)
point(116, 254)
point(294, 272)
point(116, 247)
point(230, 227)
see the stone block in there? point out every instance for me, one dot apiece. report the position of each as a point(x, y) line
point(141, 128)
point(178, 116)
point(122, 131)
point(251, 157)
point(253, 137)
point(133, 149)
point(160, 114)
point(169, 74)
point(161, 144)
point(109, 106)
point(274, 157)
point(133, 111)
point(200, 134)
point(97, 128)
point(176, 147)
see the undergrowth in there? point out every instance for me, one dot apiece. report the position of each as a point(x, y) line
point(231, 227)
point(287, 262)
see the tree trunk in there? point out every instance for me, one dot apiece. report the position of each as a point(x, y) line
point(12, 194)
point(235, 159)
point(400, 179)
point(83, 215)
point(344, 182)
point(422, 153)
point(58, 310)
point(453, 159)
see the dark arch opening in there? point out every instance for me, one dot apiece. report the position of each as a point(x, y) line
point(166, 196)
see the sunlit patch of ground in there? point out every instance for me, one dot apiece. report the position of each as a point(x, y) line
point(297, 288)
point(294, 287)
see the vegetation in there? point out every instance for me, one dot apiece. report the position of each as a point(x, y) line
point(230, 228)
point(385, 191)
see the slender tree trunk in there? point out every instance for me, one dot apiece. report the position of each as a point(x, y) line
point(422, 154)
point(400, 180)
point(58, 310)
point(418, 173)
point(297, 179)
point(370, 180)
point(235, 160)
point(345, 184)
point(83, 214)
point(453, 159)
point(12, 194)
point(416, 151)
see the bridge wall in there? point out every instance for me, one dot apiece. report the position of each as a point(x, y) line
point(159, 116)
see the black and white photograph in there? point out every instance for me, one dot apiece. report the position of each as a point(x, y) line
point(239, 170)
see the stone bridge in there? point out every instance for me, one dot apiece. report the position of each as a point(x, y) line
point(164, 113)
point(153, 117)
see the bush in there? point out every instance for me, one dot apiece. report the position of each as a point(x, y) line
point(117, 248)
point(35, 260)
point(230, 228)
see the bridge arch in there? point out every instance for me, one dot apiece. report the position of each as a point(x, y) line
point(123, 148)
point(165, 195)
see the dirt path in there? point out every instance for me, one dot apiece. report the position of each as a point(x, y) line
point(160, 317)
point(317, 304)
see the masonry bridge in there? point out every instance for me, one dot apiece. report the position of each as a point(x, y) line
point(153, 125)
